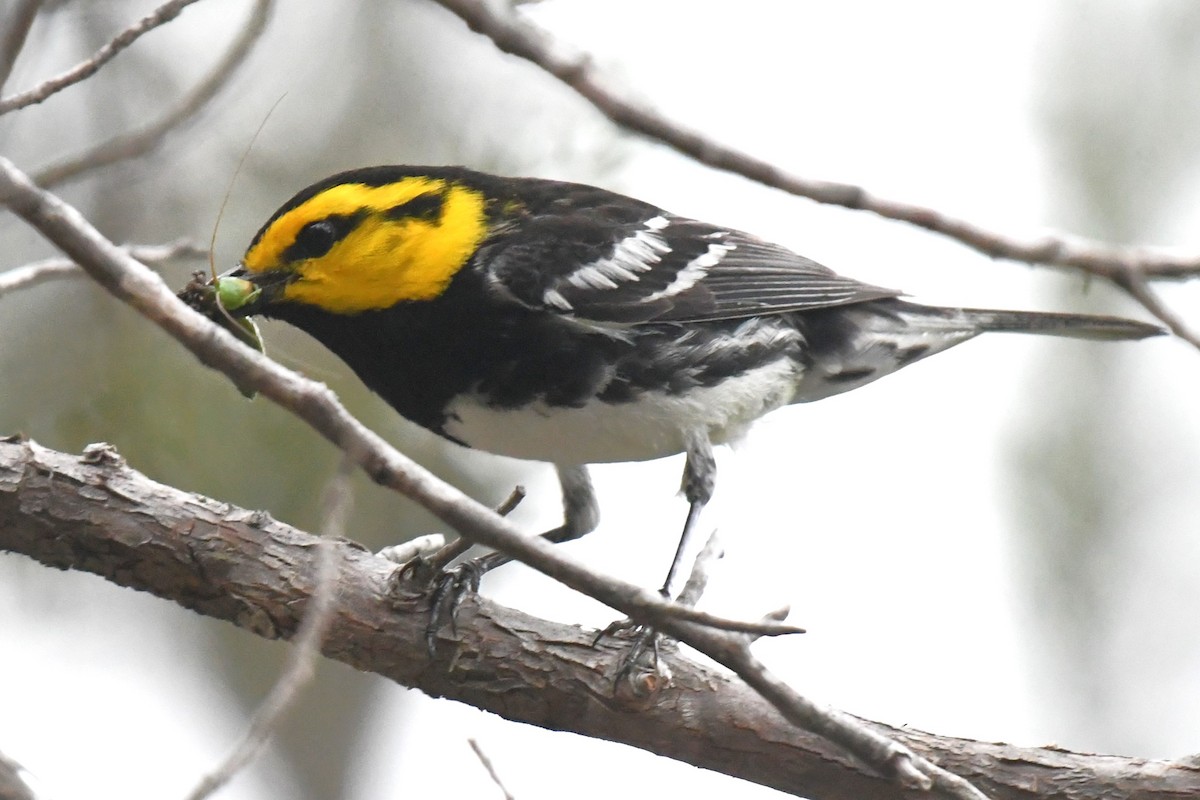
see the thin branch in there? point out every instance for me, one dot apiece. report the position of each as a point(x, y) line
point(445, 554)
point(684, 610)
point(57, 268)
point(491, 770)
point(512, 34)
point(1135, 284)
point(158, 253)
point(133, 283)
point(16, 31)
point(13, 783)
point(756, 628)
point(697, 582)
point(85, 69)
point(301, 664)
point(138, 143)
point(882, 752)
point(37, 273)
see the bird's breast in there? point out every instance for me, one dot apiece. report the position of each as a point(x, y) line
point(651, 424)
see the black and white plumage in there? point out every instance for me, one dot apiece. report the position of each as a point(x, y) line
point(583, 326)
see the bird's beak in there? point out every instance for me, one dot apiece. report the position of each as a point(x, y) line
point(244, 293)
point(229, 300)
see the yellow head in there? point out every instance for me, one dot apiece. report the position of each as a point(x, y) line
point(369, 239)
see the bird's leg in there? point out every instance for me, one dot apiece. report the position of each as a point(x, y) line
point(581, 514)
point(699, 480)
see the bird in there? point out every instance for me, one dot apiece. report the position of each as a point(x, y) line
point(569, 324)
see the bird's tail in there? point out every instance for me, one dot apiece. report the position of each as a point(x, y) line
point(1074, 326)
point(853, 345)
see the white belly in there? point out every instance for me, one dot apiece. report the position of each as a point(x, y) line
point(652, 426)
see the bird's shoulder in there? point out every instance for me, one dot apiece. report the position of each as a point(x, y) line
point(593, 254)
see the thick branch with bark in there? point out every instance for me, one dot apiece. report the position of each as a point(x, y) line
point(95, 514)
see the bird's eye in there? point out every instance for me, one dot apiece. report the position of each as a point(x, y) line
point(319, 236)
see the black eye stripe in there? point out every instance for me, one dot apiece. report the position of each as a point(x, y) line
point(319, 236)
point(426, 206)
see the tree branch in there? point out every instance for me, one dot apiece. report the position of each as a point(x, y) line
point(141, 142)
point(95, 514)
point(13, 785)
point(514, 35)
point(85, 69)
point(490, 768)
point(301, 664)
point(16, 30)
point(57, 268)
point(1137, 286)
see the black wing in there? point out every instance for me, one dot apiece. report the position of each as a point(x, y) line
point(626, 262)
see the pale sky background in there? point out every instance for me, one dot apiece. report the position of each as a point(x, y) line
point(884, 517)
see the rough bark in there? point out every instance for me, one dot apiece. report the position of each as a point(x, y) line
point(95, 514)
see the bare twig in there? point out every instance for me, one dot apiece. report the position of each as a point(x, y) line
point(38, 272)
point(883, 753)
point(491, 770)
point(85, 69)
point(158, 253)
point(16, 30)
point(512, 34)
point(56, 268)
point(693, 589)
point(446, 554)
point(1135, 284)
point(13, 785)
point(510, 503)
point(136, 285)
point(302, 658)
point(697, 582)
point(757, 628)
point(138, 143)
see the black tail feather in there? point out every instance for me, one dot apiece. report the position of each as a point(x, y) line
point(1075, 326)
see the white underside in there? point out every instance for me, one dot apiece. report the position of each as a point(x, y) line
point(653, 426)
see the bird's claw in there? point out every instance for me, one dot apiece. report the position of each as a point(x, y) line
point(450, 587)
point(423, 572)
point(641, 673)
point(417, 559)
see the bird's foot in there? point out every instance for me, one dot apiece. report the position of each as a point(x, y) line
point(450, 588)
point(424, 572)
point(641, 672)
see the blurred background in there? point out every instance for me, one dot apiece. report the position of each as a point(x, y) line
point(1000, 543)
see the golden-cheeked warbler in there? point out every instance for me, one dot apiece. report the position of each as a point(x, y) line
point(565, 323)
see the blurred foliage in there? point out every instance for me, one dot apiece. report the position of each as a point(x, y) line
point(1117, 104)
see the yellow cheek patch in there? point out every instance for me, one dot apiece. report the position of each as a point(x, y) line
point(383, 260)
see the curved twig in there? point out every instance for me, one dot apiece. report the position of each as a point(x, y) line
point(302, 659)
point(138, 143)
point(56, 268)
point(85, 69)
point(16, 30)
